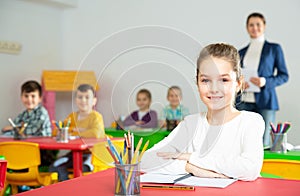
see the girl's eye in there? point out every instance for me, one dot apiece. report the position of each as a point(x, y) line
point(204, 80)
point(225, 80)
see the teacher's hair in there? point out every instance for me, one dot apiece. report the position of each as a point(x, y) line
point(256, 14)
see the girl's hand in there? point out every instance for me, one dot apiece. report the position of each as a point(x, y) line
point(139, 122)
point(174, 155)
point(204, 173)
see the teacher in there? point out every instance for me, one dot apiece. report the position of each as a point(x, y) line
point(266, 59)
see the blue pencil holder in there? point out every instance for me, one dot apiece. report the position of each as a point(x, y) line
point(279, 141)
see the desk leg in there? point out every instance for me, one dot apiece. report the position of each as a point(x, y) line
point(77, 163)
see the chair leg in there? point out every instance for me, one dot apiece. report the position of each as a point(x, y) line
point(14, 189)
point(2, 193)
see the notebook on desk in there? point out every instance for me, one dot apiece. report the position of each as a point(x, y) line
point(186, 180)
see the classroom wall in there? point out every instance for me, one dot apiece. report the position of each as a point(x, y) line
point(38, 29)
point(93, 31)
point(119, 41)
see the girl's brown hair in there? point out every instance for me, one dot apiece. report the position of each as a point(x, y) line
point(146, 92)
point(224, 51)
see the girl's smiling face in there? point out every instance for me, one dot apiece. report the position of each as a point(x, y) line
point(217, 83)
point(143, 102)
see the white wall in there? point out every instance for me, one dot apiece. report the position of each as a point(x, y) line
point(101, 24)
point(38, 29)
point(98, 23)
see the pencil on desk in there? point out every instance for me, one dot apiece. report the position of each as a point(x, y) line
point(286, 127)
point(125, 157)
point(23, 128)
point(68, 122)
point(273, 127)
point(110, 149)
point(136, 152)
point(111, 154)
point(133, 161)
point(12, 123)
point(278, 128)
point(114, 151)
point(60, 124)
point(143, 150)
point(129, 139)
point(170, 187)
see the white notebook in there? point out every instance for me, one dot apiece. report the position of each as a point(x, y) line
point(189, 181)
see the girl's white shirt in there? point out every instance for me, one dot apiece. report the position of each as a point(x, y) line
point(234, 149)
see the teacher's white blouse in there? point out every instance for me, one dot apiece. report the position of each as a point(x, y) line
point(234, 149)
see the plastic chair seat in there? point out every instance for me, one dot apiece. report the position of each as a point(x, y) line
point(101, 159)
point(25, 157)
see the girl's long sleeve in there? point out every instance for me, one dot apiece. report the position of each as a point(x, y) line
point(245, 166)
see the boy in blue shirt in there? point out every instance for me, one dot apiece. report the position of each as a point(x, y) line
point(35, 116)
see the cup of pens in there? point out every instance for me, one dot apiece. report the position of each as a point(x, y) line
point(279, 137)
point(127, 179)
point(127, 165)
point(63, 135)
point(62, 130)
point(279, 141)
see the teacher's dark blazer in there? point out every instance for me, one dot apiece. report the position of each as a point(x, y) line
point(271, 59)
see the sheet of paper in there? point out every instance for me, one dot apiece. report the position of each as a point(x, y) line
point(159, 178)
point(206, 182)
point(248, 73)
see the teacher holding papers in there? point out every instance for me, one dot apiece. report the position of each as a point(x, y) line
point(264, 69)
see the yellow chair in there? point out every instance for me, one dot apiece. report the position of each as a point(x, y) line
point(23, 160)
point(287, 169)
point(101, 159)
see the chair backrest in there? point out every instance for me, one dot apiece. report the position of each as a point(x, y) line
point(21, 156)
point(101, 159)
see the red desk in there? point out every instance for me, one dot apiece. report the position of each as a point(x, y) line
point(77, 146)
point(102, 183)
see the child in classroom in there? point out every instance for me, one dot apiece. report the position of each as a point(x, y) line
point(86, 123)
point(175, 111)
point(144, 117)
point(35, 115)
point(221, 142)
point(36, 118)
